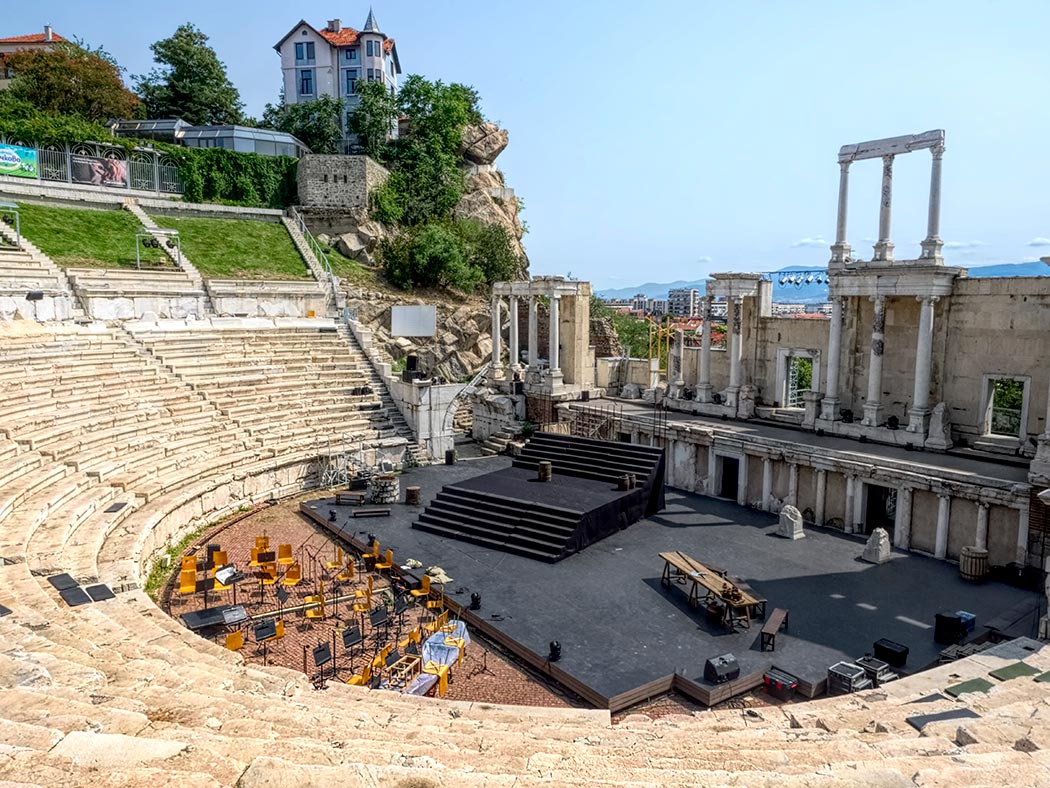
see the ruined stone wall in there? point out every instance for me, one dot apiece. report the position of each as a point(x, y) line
point(338, 181)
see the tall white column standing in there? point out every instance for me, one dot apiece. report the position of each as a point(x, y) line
point(884, 247)
point(497, 349)
point(677, 360)
point(981, 540)
point(515, 350)
point(534, 342)
point(703, 383)
point(735, 351)
point(851, 489)
point(553, 338)
point(820, 496)
point(940, 544)
point(873, 405)
point(920, 407)
point(767, 483)
point(840, 250)
point(830, 404)
point(931, 247)
point(902, 526)
point(792, 497)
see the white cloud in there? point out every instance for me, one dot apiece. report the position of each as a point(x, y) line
point(964, 244)
point(1039, 242)
point(818, 241)
point(704, 259)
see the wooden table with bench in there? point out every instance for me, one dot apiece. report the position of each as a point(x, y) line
point(738, 603)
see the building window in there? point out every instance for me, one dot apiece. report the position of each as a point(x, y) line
point(351, 54)
point(368, 48)
point(306, 82)
point(304, 52)
point(371, 75)
point(351, 81)
point(1006, 404)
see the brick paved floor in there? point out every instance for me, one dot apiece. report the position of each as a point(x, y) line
point(486, 674)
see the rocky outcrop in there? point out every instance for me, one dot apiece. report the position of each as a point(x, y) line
point(483, 142)
point(486, 197)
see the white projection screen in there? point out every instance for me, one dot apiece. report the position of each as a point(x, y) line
point(417, 320)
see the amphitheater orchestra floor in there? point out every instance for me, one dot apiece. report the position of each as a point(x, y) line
point(619, 628)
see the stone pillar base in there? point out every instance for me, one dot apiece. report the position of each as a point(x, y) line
point(931, 250)
point(883, 252)
point(556, 381)
point(829, 409)
point(1044, 628)
point(812, 405)
point(1039, 469)
point(731, 396)
point(841, 253)
point(872, 414)
point(918, 420)
point(495, 373)
point(746, 402)
point(703, 392)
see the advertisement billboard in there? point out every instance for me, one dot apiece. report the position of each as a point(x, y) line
point(18, 161)
point(98, 171)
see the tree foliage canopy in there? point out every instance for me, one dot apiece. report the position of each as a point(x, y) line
point(191, 82)
point(315, 123)
point(373, 118)
point(70, 79)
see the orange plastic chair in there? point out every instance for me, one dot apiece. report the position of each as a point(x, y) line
point(387, 563)
point(189, 562)
point(348, 573)
point(362, 679)
point(293, 576)
point(262, 543)
point(269, 573)
point(338, 562)
point(187, 581)
point(235, 640)
point(423, 590)
point(364, 592)
point(219, 558)
point(441, 671)
point(255, 556)
point(284, 554)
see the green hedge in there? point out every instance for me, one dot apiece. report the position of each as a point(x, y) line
point(208, 174)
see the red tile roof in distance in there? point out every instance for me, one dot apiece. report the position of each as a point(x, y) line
point(347, 37)
point(32, 38)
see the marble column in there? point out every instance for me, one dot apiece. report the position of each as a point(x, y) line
point(1023, 512)
point(767, 483)
point(981, 539)
point(712, 465)
point(1039, 470)
point(534, 332)
point(902, 520)
point(703, 383)
point(820, 496)
point(840, 250)
point(554, 338)
point(932, 246)
point(944, 509)
point(884, 247)
point(515, 350)
point(873, 405)
point(736, 347)
point(792, 496)
point(741, 481)
point(497, 348)
point(919, 414)
point(851, 492)
point(829, 406)
point(677, 361)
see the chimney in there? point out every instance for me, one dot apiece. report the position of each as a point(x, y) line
point(48, 37)
point(334, 25)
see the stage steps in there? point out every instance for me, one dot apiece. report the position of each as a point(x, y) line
point(587, 458)
point(492, 521)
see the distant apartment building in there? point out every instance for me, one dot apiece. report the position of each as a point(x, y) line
point(639, 303)
point(684, 302)
point(719, 310)
point(332, 60)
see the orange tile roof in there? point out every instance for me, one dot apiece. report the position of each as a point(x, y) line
point(32, 38)
point(347, 37)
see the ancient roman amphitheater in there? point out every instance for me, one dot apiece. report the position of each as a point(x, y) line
point(120, 436)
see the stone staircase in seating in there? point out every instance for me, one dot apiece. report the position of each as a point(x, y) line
point(26, 269)
point(116, 693)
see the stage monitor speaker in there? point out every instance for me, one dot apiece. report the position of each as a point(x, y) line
point(947, 628)
point(411, 362)
point(891, 652)
point(719, 670)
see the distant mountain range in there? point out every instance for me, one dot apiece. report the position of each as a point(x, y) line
point(811, 293)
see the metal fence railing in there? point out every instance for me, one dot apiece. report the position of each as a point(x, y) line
point(91, 164)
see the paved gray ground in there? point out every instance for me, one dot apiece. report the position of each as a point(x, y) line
point(619, 628)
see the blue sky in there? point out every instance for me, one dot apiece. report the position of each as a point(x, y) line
point(667, 140)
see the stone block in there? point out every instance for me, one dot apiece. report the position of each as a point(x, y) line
point(790, 526)
point(877, 550)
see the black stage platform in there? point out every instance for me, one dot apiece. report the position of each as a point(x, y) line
point(623, 635)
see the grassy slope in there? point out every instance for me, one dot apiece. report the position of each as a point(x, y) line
point(353, 272)
point(84, 237)
point(238, 248)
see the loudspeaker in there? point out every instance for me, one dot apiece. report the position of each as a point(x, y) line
point(411, 362)
point(719, 670)
point(896, 654)
point(947, 628)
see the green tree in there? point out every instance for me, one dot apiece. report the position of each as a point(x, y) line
point(70, 79)
point(191, 82)
point(374, 117)
point(315, 123)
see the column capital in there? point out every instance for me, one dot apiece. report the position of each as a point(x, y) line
point(887, 161)
point(844, 165)
point(930, 299)
point(937, 151)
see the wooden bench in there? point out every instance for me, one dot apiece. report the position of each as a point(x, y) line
point(371, 513)
point(349, 498)
point(777, 619)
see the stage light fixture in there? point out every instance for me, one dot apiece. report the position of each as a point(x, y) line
point(171, 243)
point(555, 651)
point(331, 515)
point(783, 281)
point(809, 279)
point(475, 601)
point(372, 539)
